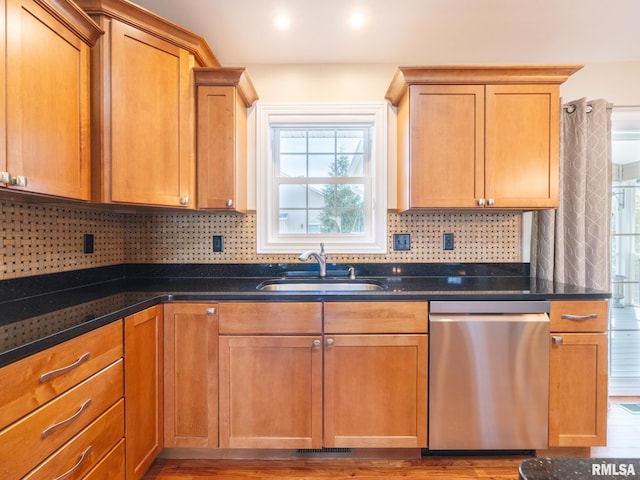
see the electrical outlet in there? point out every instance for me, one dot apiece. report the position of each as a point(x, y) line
point(447, 241)
point(87, 243)
point(401, 241)
point(218, 243)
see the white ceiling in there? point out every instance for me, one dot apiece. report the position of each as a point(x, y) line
point(412, 32)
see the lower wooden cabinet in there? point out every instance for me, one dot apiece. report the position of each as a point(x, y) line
point(361, 384)
point(31, 382)
point(143, 380)
point(271, 392)
point(110, 467)
point(33, 438)
point(190, 375)
point(87, 449)
point(375, 374)
point(271, 375)
point(62, 408)
point(578, 374)
point(375, 391)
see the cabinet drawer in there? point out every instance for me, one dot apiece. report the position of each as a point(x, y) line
point(579, 316)
point(29, 383)
point(30, 440)
point(271, 318)
point(84, 451)
point(110, 467)
point(376, 317)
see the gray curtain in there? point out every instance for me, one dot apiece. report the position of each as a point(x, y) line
point(571, 244)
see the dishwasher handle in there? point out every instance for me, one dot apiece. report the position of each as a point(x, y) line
point(497, 307)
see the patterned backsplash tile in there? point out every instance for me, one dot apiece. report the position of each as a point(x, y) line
point(39, 238)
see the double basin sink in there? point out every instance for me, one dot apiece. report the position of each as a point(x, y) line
point(321, 284)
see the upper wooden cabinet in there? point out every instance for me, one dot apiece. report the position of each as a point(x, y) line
point(223, 96)
point(476, 137)
point(143, 106)
point(44, 97)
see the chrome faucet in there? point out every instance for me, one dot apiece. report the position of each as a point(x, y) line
point(321, 258)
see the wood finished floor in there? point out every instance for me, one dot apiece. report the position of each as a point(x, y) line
point(445, 468)
point(623, 442)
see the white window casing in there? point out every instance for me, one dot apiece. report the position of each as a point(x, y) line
point(269, 237)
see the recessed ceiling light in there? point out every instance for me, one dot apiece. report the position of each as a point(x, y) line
point(283, 22)
point(356, 20)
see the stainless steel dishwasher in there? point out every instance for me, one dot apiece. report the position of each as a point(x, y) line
point(488, 375)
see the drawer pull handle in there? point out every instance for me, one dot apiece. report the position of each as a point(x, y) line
point(557, 339)
point(591, 316)
point(54, 373)
point(53, 428)
point(77, 465)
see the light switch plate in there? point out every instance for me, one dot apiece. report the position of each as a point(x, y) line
point(447, 241)
point(218, 243)
point(87, 243)
point(401, 241)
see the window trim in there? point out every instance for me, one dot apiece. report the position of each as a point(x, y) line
point(269, 240)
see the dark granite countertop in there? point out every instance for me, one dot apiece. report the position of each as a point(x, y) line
point(39, 312)
point(579, 469)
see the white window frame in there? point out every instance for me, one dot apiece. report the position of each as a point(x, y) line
point(268, 237)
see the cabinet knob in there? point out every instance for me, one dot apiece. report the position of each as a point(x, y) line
point(211, 311)
point(19, 181)
point(557, 339)
point(316, 343)
point(491, 202)
point(5, 177)
point(481, 202)
point(329, 341)
point(184, 200)
point(229, 203)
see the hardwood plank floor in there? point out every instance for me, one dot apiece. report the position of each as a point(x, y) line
point(440, 468)
point(623, 442)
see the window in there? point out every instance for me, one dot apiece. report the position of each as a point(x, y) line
point(321, 177)
point(624, 318)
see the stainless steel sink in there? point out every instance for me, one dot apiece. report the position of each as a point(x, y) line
point(318, 284)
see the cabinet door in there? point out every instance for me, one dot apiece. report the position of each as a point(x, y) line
point(47, 74)
point(151, 139)
point(522, 145)
point(578, 390)
point(270, 392)
point(143, 377)
point(375, 391)
point(221, 149)
point(191, 375)
point(443, 166)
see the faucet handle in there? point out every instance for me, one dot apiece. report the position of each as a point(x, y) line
point(321, 248)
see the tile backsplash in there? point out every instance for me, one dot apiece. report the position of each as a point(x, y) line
point(39, 238)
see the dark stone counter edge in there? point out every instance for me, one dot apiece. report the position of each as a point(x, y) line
point(160, 290)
